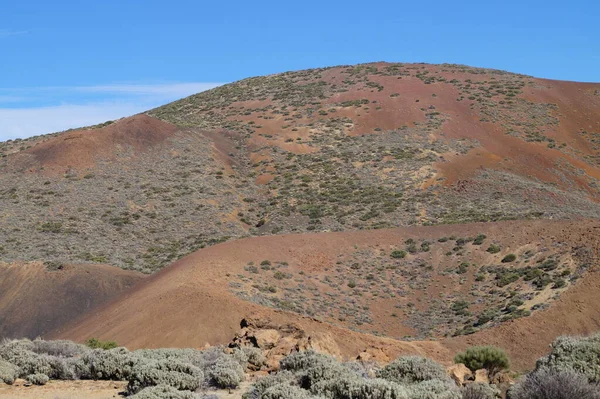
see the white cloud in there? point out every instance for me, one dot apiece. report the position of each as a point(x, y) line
point(32, 111)
point(174, 89)
point(27, 122)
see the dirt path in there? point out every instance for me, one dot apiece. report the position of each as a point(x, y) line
point(88, 390)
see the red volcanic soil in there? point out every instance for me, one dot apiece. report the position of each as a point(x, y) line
point(189, 303)
point(35, 300)
point(80, 149)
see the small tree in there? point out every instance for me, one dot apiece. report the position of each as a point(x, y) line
point(491, 358)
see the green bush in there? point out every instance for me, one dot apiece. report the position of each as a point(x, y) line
point(398, 254)
point(412, 369)
point(37, 379)
point(95, 343)
point(509, 258)
point(491, 358)
point(493, 249)
point(554, 384)
point(581, 355)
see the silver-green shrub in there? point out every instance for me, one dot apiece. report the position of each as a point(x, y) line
point(283, 377)
point(581, 355)
point(59, 348)
point(357, 388)
point(181, 376)
point(478, 390)
point(226, 373)
point(434, 389)
point(546, 383)
point(412, 369)
point(286, 391)
point(8, 372)
point(37, 379)
point(164, 392)
point(112, 364)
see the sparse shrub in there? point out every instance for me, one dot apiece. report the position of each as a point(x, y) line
point(285, 391)
point(164, 392)
point(182, 376)
point(412, 369)
point(509, 258)
point(61, 348)
point(300, 361)
point(356, 388)
point(581, 355)
point(491, 358)
point(479, 239)
point(8, 372)
point(95, 343)
point(111, 364)
point(398, 254)
point(479, 390)
point(434, 389)
point(37, 379)
point(554, 384)
point(283, 377)
point(226, 373)
point(493, 249)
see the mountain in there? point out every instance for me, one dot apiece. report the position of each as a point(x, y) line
point(371, 205)
point(334, 149)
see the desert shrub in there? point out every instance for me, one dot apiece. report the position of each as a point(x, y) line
point(164, 392)
point(226, 373)
point(60, 348)
point(301, 361)
point(325, 371)
point(255, 356)
point(398, 254)
point(285, 391)
point(95, 343)
point(19, 353)
point(284, 377)
point(581, 355)
point(509, 258)
point(37, 379)
point(412, 369)
point(356, 388)
point(111, 364)
point(493, 249)
point(554, 384)
point(479, 390)
point(8, 372)
point(182, 376)
point(184, 355)
point(483, 357)
point(434, 389)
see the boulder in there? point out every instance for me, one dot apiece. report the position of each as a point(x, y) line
point(459, 373)
point(482, 376)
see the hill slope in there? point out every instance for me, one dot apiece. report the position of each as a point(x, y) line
point(36, 299)
point(203, 297)
point(344, 148)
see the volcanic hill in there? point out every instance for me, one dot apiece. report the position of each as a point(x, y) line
point(432, 188)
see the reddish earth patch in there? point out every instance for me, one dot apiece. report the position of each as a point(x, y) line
point(35, 301)
point(81, 149)
point(189, 303)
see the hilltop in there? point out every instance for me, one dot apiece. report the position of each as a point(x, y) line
point(334, 149)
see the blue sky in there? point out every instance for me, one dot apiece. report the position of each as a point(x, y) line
point(72, 63)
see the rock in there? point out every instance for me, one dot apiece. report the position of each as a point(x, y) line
point(266, 339)
point(482, 376)
point(459, 373)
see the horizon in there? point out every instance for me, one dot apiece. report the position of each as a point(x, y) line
point(72, 65)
